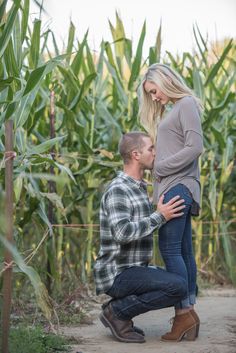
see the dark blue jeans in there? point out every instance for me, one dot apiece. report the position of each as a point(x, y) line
point(139, 289)
point(175, 244)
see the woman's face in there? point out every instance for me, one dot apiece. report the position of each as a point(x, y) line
point(155, 92)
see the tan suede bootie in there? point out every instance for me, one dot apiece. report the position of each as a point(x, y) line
point(197, 320)
point(184, 325)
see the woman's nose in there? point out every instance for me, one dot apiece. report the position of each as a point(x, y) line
point(154, 97)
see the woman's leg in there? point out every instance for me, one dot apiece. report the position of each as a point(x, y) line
point(188, 256)
point(175, 244)
point(172, 236)
point(190, 263)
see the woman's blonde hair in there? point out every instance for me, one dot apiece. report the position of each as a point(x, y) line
point(171, 84)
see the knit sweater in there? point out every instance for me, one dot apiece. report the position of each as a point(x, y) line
point(178, 146)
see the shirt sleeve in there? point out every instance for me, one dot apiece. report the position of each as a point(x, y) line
point(190, 122)
point(119, 213)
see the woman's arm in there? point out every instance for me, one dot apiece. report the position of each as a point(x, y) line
point(193, 147)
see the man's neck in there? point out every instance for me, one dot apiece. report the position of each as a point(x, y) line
point(133, 172)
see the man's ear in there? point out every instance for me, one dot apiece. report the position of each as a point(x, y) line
point(135, 155)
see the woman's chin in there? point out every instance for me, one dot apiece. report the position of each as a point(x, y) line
point(164, 101)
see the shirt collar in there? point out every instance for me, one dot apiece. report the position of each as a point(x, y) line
point(138, 183)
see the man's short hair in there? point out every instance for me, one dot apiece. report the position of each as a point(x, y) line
point(129, 142)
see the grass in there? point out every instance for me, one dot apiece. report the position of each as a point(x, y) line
point(34, 339)
point(30, 330)
point(70, 308)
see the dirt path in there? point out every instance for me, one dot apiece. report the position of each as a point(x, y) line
point(217, 310)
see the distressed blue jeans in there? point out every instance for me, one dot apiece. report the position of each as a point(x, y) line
point(139, 289)
point(175, 244)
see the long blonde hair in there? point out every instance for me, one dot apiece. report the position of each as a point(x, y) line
point(171, 84)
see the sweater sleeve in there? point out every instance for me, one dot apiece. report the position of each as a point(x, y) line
point(193, 142)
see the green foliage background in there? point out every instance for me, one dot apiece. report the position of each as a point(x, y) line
point(95, 102)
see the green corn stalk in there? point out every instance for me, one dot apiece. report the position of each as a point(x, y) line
point(198, 228)
point(91, 178)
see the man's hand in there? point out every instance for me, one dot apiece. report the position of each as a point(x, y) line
point(172, 208)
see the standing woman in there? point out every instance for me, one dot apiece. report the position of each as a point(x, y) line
point(179, 143)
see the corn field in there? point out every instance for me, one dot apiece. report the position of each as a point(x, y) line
point(69, 107)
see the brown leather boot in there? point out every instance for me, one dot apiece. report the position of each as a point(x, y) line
point(135, 328)
point(184, 325)
point(122, 330)
point(197, 320)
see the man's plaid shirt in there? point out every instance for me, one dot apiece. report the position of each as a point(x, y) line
point(127, 222)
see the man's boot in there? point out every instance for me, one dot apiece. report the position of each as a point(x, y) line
point(135, 328)
point(122, 330)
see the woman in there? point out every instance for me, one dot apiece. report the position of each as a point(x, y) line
point(176, 172)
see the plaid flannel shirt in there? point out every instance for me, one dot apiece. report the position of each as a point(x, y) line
point(127, 222)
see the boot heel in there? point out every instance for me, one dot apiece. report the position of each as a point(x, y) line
point(197, 320)
point(197, 329)
point(191, 334)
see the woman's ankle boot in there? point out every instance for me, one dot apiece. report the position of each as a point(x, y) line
point(184, 325)
point(197, 320)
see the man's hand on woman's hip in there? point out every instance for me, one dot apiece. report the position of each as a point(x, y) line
point(172, 208)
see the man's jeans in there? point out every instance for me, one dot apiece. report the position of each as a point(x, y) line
point(175, 244)
point(139, 289)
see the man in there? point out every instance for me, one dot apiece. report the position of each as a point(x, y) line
point(127, 222)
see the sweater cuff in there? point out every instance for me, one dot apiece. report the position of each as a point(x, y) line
point(157, 219)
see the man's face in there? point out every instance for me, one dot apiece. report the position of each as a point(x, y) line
point(147, 154)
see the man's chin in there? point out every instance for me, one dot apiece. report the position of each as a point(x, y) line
point(149, 167)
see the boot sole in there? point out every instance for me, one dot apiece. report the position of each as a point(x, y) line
point(107, 323)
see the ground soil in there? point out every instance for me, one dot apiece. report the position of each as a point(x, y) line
point(217, 311)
